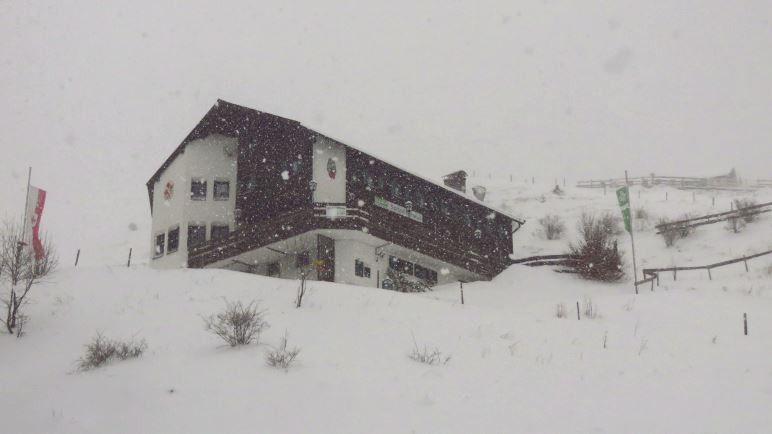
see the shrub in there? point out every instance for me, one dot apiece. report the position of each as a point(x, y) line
point(102, 350)
point(553, 226)
point(641, 214)
point(281, 357)
point(402, 283)
point(238, 324)
point(590, 309)
point(611, 223)
point(735, 223)
point(560, 310)
point(595, 255)
point(428, 357)
point(747, 215)
point(675, 232)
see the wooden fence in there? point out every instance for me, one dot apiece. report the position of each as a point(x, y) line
point(653, 273)
point(747, 211)
point(675, 181)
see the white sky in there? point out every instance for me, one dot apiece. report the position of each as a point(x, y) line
point(95, 95)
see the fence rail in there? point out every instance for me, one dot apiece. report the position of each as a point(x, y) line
point(677, 181)
point(714, 218)
point(654, 272)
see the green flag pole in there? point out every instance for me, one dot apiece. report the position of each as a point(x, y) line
point(623, 196)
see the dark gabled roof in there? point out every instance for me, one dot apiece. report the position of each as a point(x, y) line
point(235, 121)
point(223, 118)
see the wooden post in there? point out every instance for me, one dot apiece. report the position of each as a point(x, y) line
point(652, 285)
point(666, 196)
point(510, 178)
point(714, 201)
point(77, 256)
point(462, 291)
point(578, 318)
point(745, 260)
point(128, 263)
point(657, 279)
point(745, 323)
point(710, 277)
point(674, 274)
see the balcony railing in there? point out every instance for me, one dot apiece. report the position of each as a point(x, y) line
point(411, 235)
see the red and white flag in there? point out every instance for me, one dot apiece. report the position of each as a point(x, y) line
point(36, 199)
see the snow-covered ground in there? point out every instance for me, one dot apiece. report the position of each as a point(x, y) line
point(672, 360)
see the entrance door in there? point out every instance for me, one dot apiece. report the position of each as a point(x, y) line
point(326, 255)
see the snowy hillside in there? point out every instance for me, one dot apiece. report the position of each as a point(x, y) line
point(672, 360)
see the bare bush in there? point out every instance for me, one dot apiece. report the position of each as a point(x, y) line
point(641, 214)
point(595, 256)
point(590, 309)
point(21, 267)
point(560, 310)
point(282, 357)
point(238, 324)
point(426, 356)
point(553, 226)
point(611, 223)
point(746, 214)
point(675, 232)
point(102, 351)
point(735, 224)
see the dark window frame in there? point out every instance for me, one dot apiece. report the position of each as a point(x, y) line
point(273, 270)
point(221, 227)
point(173, 239)
point(158, 252)
point(192, 230)
point(220, 183)
point(199, 193)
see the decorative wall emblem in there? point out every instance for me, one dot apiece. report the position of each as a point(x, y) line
point(332, 168)
point(169, 190)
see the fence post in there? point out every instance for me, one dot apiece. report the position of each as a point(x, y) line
point(77, 257)
point(745, 323)
point(674, 274)
point(710, 277)
point(462, 291)
point(652, 285)
point(578, 318)
point(665, 196)
point(714, 201)
point(745, 260)
point(128, 263)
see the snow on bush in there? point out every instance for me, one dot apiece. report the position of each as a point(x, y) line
point(741, 205)
point(281, 357)
point(102, 350)
point(553, 226)
point(238, 324)
point(595, 255)
point(676, 232)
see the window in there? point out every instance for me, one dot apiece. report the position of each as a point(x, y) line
point(159, 245)
point(425, 274)
point(198, 189)
point(196, 235)
point(302, 260)
point(222, 189)
point(360, 270)
point(273, 269)
point(220, 231)
point(400, 265)
point(174, 239)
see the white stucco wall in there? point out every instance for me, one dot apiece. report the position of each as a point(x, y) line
point(327, 189)
point(204, 158)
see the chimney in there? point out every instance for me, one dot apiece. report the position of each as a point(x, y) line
point(456, 180)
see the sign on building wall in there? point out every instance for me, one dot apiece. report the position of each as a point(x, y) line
point(398, 209)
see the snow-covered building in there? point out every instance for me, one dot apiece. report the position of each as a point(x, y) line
point(255, 192)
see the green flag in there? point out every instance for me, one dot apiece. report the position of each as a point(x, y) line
point(623, 196)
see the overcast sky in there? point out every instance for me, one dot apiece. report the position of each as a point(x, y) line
point(96, 94)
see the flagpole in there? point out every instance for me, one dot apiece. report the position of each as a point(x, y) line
point(632, 238)
point(26, 205)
